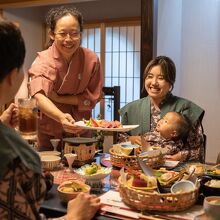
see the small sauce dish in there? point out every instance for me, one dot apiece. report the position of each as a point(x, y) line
point(182, 186)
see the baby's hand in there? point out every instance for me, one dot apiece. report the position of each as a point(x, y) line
point(135, 140)
point(174, 156)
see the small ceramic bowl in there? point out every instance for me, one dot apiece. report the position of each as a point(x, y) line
point(207, 187)
point(182, 186)
point(69, 189)
point(50, 162)
point(130, 150)
point(101, 174)
point(211, 207)
point(55, 153)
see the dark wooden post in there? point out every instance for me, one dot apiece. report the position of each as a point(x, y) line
point(148, 34)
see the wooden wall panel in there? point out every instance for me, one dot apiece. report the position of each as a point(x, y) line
point(148, 40)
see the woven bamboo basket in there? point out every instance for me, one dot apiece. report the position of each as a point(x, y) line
point(153, 201)
point(119, 160)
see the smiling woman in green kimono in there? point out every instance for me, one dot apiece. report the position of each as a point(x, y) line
point(159, 79)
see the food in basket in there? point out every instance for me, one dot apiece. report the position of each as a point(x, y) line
point(125, 155)
point(149, 182)
point(102, 123)
point(166, 177)
point(138, 180)
point(199, 168)
point(128, 149)
point(153, 201)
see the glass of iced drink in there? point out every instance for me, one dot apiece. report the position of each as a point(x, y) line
point(28, 113)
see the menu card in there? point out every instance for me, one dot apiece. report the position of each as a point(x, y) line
point(112, 202)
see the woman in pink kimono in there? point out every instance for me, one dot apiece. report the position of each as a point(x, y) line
point(66, 79)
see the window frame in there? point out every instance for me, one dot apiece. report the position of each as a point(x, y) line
point(135, 21)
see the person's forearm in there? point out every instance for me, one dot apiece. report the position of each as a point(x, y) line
point(48, 107)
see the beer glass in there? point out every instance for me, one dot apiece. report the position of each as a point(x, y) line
point(28, 113)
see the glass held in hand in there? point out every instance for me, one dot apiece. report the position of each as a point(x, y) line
point(27, 116)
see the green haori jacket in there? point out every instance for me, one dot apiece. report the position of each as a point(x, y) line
point(138, 112)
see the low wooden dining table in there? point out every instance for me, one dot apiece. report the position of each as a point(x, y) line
point(53, 207)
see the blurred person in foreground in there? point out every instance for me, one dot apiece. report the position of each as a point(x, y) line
point(22, 185)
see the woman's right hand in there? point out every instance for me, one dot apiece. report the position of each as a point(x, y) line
point(67, 119)
point(68, 124)
point(83, 207)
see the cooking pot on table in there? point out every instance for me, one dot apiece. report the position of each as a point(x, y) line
point(84, 148)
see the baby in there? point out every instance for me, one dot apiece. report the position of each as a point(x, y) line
point(170, 132)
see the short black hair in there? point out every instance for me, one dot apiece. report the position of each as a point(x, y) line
point(12, 48)
point(183, 125)
point(55, 14)
point(167, 66)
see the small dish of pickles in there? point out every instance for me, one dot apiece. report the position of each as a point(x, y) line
point(69, 189)
point(93, 171)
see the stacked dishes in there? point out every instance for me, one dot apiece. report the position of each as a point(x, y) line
point(50, 159)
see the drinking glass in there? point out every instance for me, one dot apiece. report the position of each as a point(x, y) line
point(70, 159)
point(55, 142)
point(27, 116)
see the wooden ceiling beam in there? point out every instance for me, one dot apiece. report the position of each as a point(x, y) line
point(31, 3)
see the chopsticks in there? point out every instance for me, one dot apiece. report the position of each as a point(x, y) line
point(160, 217)
point(149, 217)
